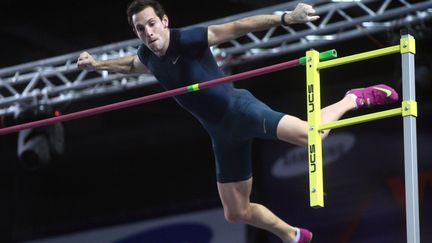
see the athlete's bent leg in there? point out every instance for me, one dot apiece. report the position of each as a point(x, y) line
point(238, 209)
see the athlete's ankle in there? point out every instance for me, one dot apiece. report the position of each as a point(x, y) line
point(353, 99)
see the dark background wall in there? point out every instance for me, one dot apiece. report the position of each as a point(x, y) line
point(155, 159)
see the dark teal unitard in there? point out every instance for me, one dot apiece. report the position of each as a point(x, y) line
point(232, 117)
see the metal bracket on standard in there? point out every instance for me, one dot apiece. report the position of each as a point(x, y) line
point(407, 44)
point(409, 108)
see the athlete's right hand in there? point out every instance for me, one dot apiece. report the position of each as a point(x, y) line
point(86, 62)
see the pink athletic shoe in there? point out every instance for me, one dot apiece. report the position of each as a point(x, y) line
point(374, 95)
point(305, 236)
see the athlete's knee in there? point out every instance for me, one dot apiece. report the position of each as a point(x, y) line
point(236, 215)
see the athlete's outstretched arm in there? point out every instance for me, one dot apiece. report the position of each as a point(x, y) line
point(127, 64)
point(225, 32)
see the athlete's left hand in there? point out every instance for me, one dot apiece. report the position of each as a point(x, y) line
point(302, 13)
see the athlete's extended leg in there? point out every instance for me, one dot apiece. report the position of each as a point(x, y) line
point(294, 130)
point(238, 209)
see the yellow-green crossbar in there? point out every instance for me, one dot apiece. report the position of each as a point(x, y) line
point(313, 66)
point(361, 119)
point(359, 57)
point(408, 108)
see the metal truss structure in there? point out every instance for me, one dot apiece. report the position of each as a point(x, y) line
point(55, 81)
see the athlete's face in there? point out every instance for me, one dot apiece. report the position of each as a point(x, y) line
point(152, 30)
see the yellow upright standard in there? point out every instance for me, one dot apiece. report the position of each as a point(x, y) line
point(314, 135)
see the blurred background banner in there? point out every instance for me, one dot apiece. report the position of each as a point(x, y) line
point(206, 226)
